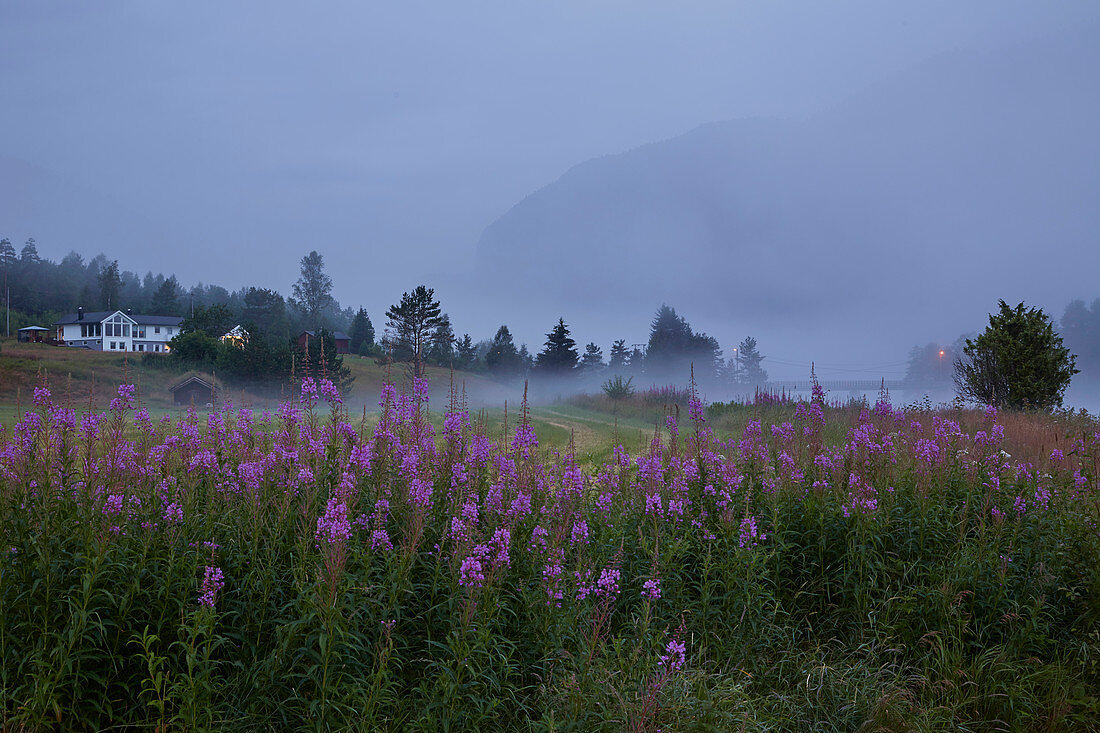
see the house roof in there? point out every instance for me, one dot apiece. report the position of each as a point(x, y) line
point(33, 328)
point(99, 316)
point(190, 380)
point(338, 335)
point(89, 317)
point(158, 320)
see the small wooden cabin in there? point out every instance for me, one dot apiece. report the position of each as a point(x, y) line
point(194, 390)
point(343, 341)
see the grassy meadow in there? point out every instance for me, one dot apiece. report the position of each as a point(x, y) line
point(641, 565)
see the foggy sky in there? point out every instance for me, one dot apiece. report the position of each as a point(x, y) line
point(388, 136)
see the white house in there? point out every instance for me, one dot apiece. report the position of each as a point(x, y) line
point(117, 331)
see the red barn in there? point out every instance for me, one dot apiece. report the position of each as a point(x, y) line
point(343, 341)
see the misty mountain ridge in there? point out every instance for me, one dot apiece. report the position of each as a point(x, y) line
point(973, 170)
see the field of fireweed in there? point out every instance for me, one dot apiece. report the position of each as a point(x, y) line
point(299, 570)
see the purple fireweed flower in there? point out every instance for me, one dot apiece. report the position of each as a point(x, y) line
point(125, 399)
point(520, 506)
point(608, 584)
point(173, 513)
point(579, 535)
point(1042, 497)
point(653, 505)
point(309, 395)
point(470, 511)
point(42, 396)
point(333, 526)
point(500, 544)
point(695, 410)
point(113, 505)
point(675, 655)
point(420, 493)
point(651, 589)
point(524, 440)
point(551, 577)
point(212, 583)
point(750, 536)
point(470, 574)
point(329, 392)
point(380, 540)
point(538, 539)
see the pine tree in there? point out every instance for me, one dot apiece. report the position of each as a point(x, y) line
point(592, 361)
point(442, 350)
point(362, 333)
point(413, 320)
point(559, 354)
point(619, 355)
point(465, 353)
point(502, 359)
point(29, 254)
point(749, 371)
point(525, 360)
point(674, 349)
point(7, 255)
point(166, 299)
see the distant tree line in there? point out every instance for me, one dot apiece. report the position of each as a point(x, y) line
point(416, 331)
point(1081, 331)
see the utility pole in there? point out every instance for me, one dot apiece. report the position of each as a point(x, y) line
point(7, 305)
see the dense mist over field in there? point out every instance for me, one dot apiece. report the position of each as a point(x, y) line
point(841, 182)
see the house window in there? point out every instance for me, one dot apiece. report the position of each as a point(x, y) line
point(83, 330)
point(141, 347)
point(112, 345)
point(125, 329)
point(156, 329)
point(122, 345)
point(169, 330)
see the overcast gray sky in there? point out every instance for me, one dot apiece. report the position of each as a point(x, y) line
point(389, 135)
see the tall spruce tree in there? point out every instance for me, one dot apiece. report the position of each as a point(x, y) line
point(559, 354)
point(362, 333)
point(442, 349)
point(502, 359)
point(674, 349)
point(465, 353)
point(619, 355)
point(592, 361)
point(166, 300)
